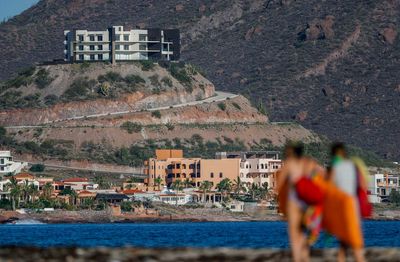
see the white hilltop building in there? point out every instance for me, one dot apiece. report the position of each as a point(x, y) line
point(8, 165)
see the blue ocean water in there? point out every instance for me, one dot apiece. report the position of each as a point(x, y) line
point(182, 234)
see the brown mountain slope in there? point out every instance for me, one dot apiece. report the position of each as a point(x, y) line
point(332, 65)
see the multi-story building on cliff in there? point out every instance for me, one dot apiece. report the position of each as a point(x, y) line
point(8, 165)
point(116, 44)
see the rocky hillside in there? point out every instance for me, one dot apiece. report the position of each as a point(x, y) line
point(331, 65)
point(54, 93)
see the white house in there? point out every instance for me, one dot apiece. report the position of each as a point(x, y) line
point(121, 44)
point(380, 186)
point(7, 165)
point(259, 167)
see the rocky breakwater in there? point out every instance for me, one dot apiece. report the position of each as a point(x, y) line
point(11, 254)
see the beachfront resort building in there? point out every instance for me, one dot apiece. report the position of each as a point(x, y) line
point(381, 185)
point(121, 44)
point(259, 168)
point(252, 167)
point(8, 165)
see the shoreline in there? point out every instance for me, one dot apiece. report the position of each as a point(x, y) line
point(62, 218)
point(11, 254)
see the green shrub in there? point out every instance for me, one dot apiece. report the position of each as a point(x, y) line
point(131, 127)
point(38, 132)
point(180, 74)
point(111, 77)
point(236, 105)
point(43, 78)
point(5, 204)
point(84, 66)
point(133, 79)
point(126, 206)
point(167, 81)
point(37, 168)
point(156, 91)
point(170, 126)
point(147, 65)
point(50, 100)
point(79, 89)
point(154, 80)
point(156, 114)
point(222, 106)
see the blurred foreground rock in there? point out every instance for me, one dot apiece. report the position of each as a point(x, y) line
point(172, 255)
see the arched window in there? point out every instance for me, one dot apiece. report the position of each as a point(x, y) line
point(212, 175)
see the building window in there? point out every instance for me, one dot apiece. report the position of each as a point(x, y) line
point(142, 37)
point(117, 47)
point(91, 37)
point(100, 47)
point(2, 168)
point(100, 56)
point(117, 38)
point(126, 37)
point(2, 161)
point(99, 38)
point(142, 47)
point(81, 57)
point(212, 175)
point(220, 175)
point(80, 37)
point(81, 47)
point(262, 166)
point(126, 47)
point(92, 57)
point(91, 47)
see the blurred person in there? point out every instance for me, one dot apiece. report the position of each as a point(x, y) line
point(303, 218)
point(344, 175)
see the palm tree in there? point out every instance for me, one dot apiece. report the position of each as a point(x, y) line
point(238, 186)
point(15, 191)
point(47, 190)
point(177, 185)
point(33, 192)
point(224, 187)
point(128, 186)
point(187, 183)
point(205, 186)
point(158, 181)
point(103, 184)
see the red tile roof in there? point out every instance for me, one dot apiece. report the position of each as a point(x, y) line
point(132, 191)
point(24, 175)
point(75, 179)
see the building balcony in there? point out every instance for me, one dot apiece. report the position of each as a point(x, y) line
point(138, 51)
point(92, 51)
point(387, 185)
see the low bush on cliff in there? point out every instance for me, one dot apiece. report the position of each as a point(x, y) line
point(222, 106)
point(111, 77)
point(147, 65)
point(134, 79)
point(79, 89)
point(156, 114)
point(23, 78)
point(43, 79)
point(131, 127)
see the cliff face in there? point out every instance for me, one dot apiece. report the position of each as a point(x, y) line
point(153, 88)
point(331, 65)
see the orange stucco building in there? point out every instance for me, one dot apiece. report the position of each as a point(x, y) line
point(170, 165)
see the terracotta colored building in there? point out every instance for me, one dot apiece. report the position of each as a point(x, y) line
point(170, 165)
